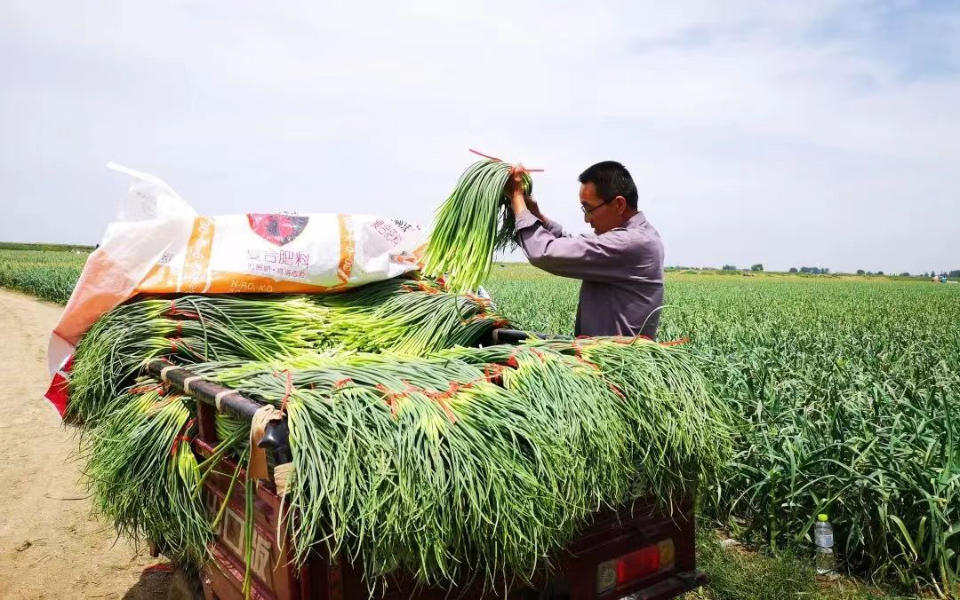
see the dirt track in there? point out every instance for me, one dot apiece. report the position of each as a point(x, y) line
point(51, 546)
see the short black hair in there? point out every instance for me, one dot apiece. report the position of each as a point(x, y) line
point(611, 180)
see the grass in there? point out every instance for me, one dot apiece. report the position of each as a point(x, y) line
point(47, 273)
point(738, 573)
point(848, 392)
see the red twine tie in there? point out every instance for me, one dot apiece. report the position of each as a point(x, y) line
point(146, 388)
point(478, 153)
point(441, 397)
point(423, 287)
point(174, 311)
point(390, 398)
point(493, 372)
point(484, 155)
point(183, 437)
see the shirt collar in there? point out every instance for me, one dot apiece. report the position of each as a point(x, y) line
point(635, 221)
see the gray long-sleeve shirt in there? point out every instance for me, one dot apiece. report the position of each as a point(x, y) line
point(621, 270)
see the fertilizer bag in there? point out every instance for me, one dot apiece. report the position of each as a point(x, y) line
point(159, 245)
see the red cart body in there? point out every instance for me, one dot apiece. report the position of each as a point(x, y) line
point(632, 551)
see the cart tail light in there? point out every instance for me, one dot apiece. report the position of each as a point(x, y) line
point(635, 566)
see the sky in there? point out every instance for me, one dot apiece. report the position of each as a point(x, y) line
point(814, 133)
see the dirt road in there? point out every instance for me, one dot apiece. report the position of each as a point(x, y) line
point(51, 546)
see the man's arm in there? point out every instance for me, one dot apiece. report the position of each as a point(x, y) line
point(552, 226)
point(597, 258)
point(592, 258)
point(521, 202)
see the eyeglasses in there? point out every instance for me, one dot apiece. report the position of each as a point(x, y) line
point(588, 211)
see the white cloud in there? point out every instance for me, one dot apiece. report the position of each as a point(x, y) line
point(785, 133)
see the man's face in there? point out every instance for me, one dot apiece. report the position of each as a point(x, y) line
point(602, 216)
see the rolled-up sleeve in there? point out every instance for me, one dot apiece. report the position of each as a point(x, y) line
point(592, 258)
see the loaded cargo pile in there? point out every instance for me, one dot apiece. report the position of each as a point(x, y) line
point(414, 448)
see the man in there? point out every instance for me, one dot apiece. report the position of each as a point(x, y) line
point(621, 266)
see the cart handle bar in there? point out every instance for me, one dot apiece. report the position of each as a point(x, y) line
point(276, 437)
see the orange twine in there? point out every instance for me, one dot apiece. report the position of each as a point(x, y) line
point(499, 160)
point(182, 437)
point(174, 311)
point(146, 388)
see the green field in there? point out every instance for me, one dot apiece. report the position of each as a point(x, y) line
point(46, 273)
point(846, 395)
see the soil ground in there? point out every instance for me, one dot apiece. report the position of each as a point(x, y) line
point(51, 544)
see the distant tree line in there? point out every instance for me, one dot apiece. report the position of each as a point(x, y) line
point(46, 247)
point(954, 274)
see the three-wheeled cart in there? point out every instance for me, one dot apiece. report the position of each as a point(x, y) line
point(637, 550)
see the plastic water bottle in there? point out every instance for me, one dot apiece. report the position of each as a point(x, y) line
point(823, 537)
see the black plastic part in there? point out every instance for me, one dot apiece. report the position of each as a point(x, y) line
point(276, 435)
point(276, 439)
point(516, 336)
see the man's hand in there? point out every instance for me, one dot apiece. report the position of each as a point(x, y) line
point(514, 183)
point(514, 189)
point(519, 201)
